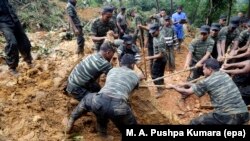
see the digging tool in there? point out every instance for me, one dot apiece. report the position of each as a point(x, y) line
point(185, 70)
point(166, 87)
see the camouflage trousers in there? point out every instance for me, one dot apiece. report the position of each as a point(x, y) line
point(170, 58)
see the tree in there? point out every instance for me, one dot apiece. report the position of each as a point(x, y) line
point(157, 4)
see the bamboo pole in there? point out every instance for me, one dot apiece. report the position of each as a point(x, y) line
point(171, 74)
point(166, 87)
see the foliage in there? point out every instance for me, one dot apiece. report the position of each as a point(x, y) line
point(39, 14)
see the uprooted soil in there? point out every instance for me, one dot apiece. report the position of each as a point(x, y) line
point(33, 107)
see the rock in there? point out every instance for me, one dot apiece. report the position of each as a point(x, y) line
point(27, 137)
point(37, 118)
point(40, 95)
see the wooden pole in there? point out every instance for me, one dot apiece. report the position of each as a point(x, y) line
point(171, 74)
point(143, 52)
point(166, 87)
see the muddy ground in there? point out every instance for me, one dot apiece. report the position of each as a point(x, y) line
point(33, 106)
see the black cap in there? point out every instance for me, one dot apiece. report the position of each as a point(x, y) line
point(123, 8)
point(204, 29)
point(128, 59)
point(128, 39)
point(207, 27)
point(107, 9)
point(153, 27)
point(223, 17)
point(167, 18)
point(235, 21)
point(215, 26)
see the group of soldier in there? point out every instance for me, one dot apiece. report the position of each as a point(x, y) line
point(219, 52)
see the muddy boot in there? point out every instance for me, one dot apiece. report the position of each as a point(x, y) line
point(13, 71)
point(70, 125)
point(159, 93)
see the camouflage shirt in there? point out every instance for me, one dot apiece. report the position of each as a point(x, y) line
point(159, 44)
point(134, 50)
point(121, 19)
point(244, 37)
point(100, 29)
point(120, 82)
point(71, 11)
point(224, 94)
point(199, 48)
point(88, 70)
point(224, 34)
point(169, 35)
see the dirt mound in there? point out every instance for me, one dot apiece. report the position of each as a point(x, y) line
point(33, 107)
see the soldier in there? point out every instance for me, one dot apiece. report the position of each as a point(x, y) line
point(159, 57)
point(148, 42)
point(137, 20)
point(228, 35)
point(178, 19)
point(17, 40)
point(121, 22)
point(199, 51)
point(111, 102)
point(129, 48)
point(223, 21)
point(244, 36)
point(75, 23)
point(82, 79)
point(101, 26)
point(223, 93)
point(160, 17)
point(171, 41)
point(214, 32)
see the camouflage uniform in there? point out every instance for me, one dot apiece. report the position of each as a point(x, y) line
point(199, 49)
point(134, 50)
point(244, 37)
point(71, 11)
point(100, 29)
point(111, 102)
point(122, 20)
point(158, 68)
point(137, 20)
point(82, 79)
point(171, 41)
point(225, 97)
point(224, 34)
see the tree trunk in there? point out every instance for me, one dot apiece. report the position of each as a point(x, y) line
point(158, 7)
point(248, 13)
point(208, 19)
point(193, 17)
point(230, 5)
point(171, 5)
point(120, 3)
